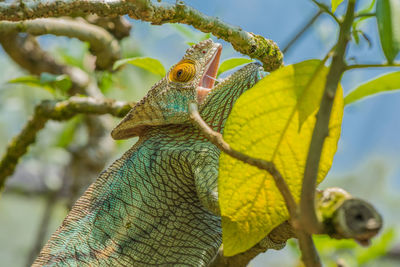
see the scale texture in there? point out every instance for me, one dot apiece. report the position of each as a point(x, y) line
point(158, 204)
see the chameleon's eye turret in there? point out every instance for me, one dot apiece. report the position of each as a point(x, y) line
point(167, 102)
point(183, 72)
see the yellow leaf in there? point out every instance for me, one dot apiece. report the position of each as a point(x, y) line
point(266, 123)
point(335, 4)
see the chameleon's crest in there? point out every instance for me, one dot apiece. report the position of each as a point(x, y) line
point(191, 79)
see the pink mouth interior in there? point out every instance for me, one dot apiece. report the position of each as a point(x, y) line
point(207, 83)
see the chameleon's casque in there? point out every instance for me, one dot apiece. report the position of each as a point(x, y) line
point(158, 204)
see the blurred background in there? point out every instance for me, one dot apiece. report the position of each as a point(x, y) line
point(45, 183)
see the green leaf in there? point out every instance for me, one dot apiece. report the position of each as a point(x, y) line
point(106, 81)
point(150, 64)
point(356, 24)
point(232, 63)
point(384, 83)
point(205, 36)
point(325, 244)
point(190, 34)
point(355, 31)
point(47, 81)
point(185, 31)
point(367, 8)
point(28, 80)
point(68, 133)
point(74, 55)
point(62, 82)
point(388, 19)
point(356, 38)
point(265, 123)
point(335, 4)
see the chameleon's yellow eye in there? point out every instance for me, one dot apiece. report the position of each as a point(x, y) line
point(183, 72)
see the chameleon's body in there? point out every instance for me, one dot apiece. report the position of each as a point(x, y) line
point(157, 205)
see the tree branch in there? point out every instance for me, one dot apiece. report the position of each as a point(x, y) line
point(119, 27)
point(244, 42)
point(102, 43)
point(53, 110)
point(308, 217)
point(321, 130)
point(278, 236)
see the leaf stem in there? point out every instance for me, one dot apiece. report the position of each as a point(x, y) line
point(364, 15)
point(217, 139)
point(362, 66)
point(326, 10)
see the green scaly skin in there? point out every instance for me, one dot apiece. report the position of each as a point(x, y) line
point(158, 204)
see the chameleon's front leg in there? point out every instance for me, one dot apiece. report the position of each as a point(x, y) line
point(206, 181)
point(205, 172)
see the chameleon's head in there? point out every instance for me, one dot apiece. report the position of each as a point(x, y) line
point(191, 79)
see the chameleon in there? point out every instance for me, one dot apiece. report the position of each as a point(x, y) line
point(158, 204)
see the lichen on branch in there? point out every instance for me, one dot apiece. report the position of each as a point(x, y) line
point(244, 42)
point(102, 43)
point(54, 110)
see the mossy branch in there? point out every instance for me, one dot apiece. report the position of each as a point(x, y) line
point(59, 111)
point(157, 13)
point(102, 43)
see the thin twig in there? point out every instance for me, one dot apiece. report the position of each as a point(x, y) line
point(364, 15)
point(217, 139)
point(301, 31)
point(53, 110)
point(363, 66)
point(321, 130)
point(326, 10)
point(157, 13)
point(308, 217)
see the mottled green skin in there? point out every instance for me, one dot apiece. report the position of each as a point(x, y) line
point(157, 205)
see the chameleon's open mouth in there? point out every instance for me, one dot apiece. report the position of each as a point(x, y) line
point(207, 81)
